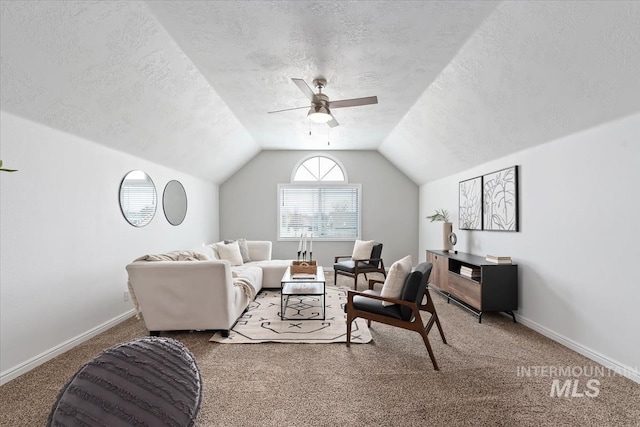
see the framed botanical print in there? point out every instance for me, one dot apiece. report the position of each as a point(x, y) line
point(470, 204)
point(500, 200)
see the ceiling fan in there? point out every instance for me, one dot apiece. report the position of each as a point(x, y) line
point(321, 106)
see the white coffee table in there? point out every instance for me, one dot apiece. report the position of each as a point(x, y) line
point(290, 286)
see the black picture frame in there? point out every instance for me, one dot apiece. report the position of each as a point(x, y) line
point(470, 204)
point(500, 200)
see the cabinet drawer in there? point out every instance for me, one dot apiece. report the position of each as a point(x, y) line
point(465, 290)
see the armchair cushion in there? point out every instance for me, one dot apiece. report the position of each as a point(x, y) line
point(350, 266)
point(373, 305)
point(395, 280)
point(362, 249)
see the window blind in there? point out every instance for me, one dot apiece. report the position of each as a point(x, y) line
point(330, 212)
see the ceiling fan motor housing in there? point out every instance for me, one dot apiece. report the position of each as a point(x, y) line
point(321, 99)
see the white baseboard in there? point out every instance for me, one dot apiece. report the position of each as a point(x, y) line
point(626, 371)
point(38, 360)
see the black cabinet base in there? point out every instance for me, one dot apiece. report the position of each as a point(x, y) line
point(467, 307)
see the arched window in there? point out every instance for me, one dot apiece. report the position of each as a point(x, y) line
point(319, 202)
point(319, 168)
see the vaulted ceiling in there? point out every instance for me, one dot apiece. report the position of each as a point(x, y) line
point(188, 84)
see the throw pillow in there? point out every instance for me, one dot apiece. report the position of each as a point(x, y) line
point(244, 248)
point(393, 284)
point(213, 251)
point(362, 249)
point(231, 253)
point(208, 250)
point(214, 248)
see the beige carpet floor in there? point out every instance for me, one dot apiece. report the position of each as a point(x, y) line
point(387, 382)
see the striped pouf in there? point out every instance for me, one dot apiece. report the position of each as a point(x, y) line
point(150, 381)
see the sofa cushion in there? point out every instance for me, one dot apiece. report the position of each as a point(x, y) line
point(231, 253)
point(396, 277)
point(212, 250)
point(244, 248)
point(272, 271)
point(259, 250)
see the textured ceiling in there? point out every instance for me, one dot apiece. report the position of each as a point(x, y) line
point(187, 84)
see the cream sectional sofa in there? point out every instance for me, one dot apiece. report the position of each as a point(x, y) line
point(208, 294)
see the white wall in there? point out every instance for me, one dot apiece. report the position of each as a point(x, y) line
point(248, 204)
point(64, 242)
point(579, 245)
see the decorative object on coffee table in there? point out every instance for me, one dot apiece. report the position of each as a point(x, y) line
point(302, 247)
point(447, 227)
point(303, 267)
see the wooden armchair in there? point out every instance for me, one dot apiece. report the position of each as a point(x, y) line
point(405, 313)
point(354, 267)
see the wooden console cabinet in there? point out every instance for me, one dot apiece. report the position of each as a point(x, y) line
point(495, 289)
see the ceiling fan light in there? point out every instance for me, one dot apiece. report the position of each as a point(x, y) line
point(319, 114)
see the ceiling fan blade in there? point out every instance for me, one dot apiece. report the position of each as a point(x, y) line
point(287, 109)
point(304, 87)
point(353, 102)
point(333, 122)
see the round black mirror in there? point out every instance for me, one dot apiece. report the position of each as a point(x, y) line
point(174, 202)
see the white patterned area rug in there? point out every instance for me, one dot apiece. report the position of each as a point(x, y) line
point(261, 322)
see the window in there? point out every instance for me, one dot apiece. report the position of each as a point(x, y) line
point(319, 168)
point(319, 202)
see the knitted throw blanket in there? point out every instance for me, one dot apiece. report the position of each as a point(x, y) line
point(245, 285)
point(174, 256)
